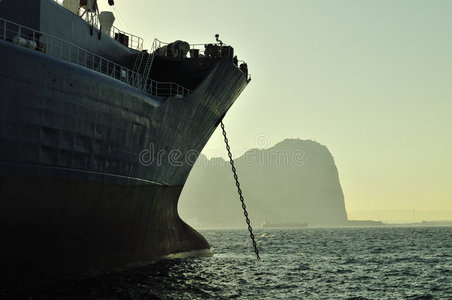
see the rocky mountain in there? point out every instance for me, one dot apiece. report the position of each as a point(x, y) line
point(295, 181)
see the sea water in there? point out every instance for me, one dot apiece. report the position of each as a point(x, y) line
point(302, 263)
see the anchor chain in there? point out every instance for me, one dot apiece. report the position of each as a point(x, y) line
point(239, 190)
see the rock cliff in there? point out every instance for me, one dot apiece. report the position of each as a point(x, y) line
point(295, 181)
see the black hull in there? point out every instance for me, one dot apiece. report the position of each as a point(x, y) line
point(75, 198)
point(76, 228)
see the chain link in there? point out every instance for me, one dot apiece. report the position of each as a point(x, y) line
point(239, 190)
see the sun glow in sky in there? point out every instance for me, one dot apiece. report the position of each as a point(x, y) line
point(371, 80)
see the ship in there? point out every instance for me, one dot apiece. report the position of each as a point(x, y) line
point(97, 138)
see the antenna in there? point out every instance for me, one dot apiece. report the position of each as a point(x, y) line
point(217, 37)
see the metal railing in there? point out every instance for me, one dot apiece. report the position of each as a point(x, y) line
point(166, 89)
point(134, 42)
point(157, 44)
point(57, 48)
point(201, 49)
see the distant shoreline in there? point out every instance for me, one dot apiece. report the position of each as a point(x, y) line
point(369, 223)
point(348, 224)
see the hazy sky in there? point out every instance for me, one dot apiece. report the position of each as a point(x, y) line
point(371, 80)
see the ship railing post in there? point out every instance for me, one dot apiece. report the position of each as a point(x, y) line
point(4, 30)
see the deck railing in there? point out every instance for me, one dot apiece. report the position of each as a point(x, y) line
point(216, 50)
point(57, 48)
point(157, 44)
point(134, 42)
